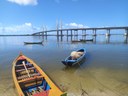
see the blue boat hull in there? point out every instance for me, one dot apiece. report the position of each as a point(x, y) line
point(69, 62)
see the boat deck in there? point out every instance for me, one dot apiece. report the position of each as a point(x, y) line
point(29, 78)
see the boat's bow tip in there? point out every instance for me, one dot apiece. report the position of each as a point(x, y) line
point(21, 53)
point(64, 62)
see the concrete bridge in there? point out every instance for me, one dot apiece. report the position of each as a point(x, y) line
point(76, 31)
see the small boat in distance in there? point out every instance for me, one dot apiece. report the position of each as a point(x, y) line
point(70, 60)
point(85, 40)
point(31, 80)
point(33, 42)
point(74, 41)
point(81, 40)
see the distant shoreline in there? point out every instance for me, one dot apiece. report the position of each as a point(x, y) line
point(18, 35)
point(32, 35)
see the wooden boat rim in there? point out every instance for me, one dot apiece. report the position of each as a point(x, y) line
point(53, 89)
point(74, 61)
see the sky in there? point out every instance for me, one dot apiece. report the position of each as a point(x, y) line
point(29, 16)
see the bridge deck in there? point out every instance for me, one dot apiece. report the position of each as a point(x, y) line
point(76, 29)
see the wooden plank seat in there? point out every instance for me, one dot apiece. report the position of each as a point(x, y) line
point(24, 69)
point(35, 74)
point(22, 77)
point(19, 65)
point(26, 76)
point(29, 78)
point(28, 64)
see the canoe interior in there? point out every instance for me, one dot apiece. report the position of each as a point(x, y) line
point(70, 58)
point(32, 83)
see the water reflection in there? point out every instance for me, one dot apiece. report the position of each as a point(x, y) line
point(103, 72)
point(107, 39)
point(125, 39)
point(76, 66)
point(100, 39)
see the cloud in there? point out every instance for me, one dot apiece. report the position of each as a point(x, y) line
point(75, 25)
point(26, 28)
point(24, 2)
point(28, 24)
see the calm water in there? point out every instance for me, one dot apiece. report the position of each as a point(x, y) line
point(104, 72)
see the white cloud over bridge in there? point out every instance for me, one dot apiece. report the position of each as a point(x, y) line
point(29, 28)
point(76, 25)
point(24, 2)
point(26, 28)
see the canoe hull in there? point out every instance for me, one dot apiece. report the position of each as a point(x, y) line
point(85, 40)
point(82, 40)
point(29, 84)
point(32, 42)
point(69, 62)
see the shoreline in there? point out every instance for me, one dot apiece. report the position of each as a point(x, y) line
point(18, 35)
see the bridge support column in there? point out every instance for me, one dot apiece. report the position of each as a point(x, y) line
point(42, 34)
point(67, 32)
point(108, 32)
point(57, 33)
point(61, 32)
point(94, 32)
point(126, 32)
point(107, 39)
point(76, 32)
point(45, 33)
point(71, 32)
point(61, 38)
point(84, 32)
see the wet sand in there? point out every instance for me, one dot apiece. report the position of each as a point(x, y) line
point(93, 82)
point(81, 82)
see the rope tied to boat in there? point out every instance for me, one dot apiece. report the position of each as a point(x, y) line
point(84, 93)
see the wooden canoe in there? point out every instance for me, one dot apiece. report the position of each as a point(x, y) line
point(70, 62)
point(85, 40)
point(81, 40)
point(33, 43)
point(31, 80)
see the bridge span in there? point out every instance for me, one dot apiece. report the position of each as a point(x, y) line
point(76, 31)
